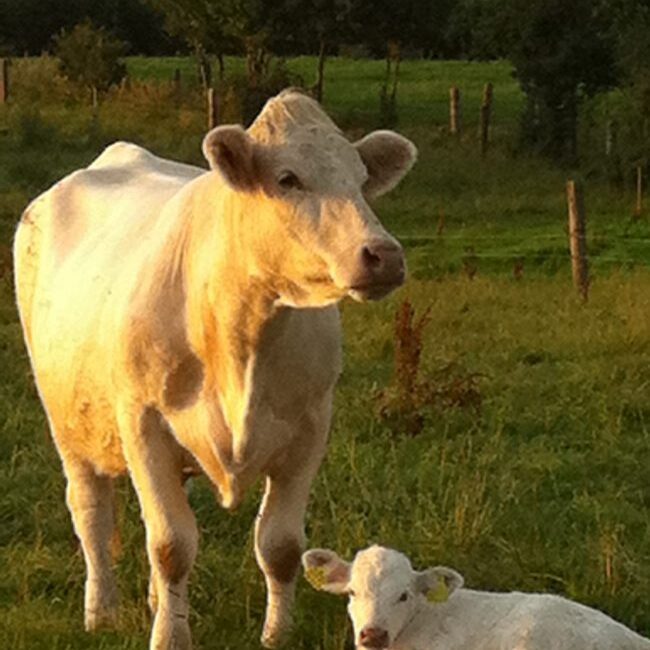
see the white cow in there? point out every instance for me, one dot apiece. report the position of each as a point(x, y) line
point(181, 320)
point(393, 607)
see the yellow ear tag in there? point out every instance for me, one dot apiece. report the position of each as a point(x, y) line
point(316, 576)
point(440, 594)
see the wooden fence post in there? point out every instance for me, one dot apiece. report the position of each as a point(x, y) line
point(578, 238)
point(611, 137)
point(440, 228)
point(486, 113)
point(455, 111)
point(4, 81)
point(639, 191)
point(213, 109)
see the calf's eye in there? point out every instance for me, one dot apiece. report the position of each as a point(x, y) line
point(289, 181)
point(404, 597)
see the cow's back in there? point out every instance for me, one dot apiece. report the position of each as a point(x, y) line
point(117, 197)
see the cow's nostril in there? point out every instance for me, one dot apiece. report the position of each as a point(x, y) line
point(370, 259)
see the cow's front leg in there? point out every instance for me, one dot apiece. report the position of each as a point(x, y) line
point(279, 528)
point(155, 463)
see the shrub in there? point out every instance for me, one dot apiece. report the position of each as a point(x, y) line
point(38, 79)
point(242, 102)
point(90, 57)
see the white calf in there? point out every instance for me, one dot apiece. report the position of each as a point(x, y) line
point(393, 607)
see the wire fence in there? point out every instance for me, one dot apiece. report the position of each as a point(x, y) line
point(597, 241)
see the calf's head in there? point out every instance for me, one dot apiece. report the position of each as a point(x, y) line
point(384, 591)
point(302, 190)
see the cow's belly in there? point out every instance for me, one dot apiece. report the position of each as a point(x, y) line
point(73, 355)
point(82, 418)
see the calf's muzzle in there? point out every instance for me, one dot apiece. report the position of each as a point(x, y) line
point(373, 637)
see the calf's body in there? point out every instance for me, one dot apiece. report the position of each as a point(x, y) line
point(182, 321)
point(475, 620)
point(393, 607)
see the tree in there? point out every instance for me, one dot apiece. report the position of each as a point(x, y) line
point(562, 53)
point(386, 26)
point(322, 22)
point(202, 26)
point(478, 29)
point(27, 26)
point(90, 57)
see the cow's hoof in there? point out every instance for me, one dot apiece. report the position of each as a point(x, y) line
point(273, 639)
point(100, 619)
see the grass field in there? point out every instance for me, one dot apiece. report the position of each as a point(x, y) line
point(544, 488)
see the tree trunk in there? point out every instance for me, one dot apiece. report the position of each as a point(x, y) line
point(222, 65)
point(253, 63)
point(397, 55)
point(205, 68)
point(321, 69)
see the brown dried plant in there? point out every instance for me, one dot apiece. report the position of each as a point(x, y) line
point(409, 398)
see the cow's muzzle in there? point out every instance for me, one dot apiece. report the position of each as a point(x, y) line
point(382, 269)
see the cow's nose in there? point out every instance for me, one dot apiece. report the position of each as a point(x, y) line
point(384, 261)
point(373, 637)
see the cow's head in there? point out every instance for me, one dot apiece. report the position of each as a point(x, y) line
point(304, 191)
point(384, 591)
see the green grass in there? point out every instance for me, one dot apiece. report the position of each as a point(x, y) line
point(545, 489)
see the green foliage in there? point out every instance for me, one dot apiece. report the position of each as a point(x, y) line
point(562, 54)
point(241, 102)
point(90, 56)
point(27, 26)
point(478, 29)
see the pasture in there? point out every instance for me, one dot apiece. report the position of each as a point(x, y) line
point(545, 487)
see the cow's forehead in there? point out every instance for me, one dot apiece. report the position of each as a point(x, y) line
point(286, 113)
point(378, 568)
point(299, 131)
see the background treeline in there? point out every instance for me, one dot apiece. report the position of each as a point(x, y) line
point(562, 52)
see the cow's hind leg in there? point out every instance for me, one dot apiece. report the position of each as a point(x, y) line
point(279, 528)
point(154, 460)
point(90, 500)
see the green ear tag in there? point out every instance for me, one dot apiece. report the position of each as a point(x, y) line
point(440, 594)
point(315, 576)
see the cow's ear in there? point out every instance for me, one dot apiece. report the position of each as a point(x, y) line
point(231, 151)
point(387, 157)
point(326, 571)
point(438, 583)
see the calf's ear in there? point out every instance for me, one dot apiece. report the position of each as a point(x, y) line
point(326, 571)
point(232, 152)
point(387, 157)
point(438, 583)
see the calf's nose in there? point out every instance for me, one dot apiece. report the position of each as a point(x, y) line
point(373, 637)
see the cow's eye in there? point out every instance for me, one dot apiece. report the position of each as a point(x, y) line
point(351, 593)
point(289, 181)
point(404, 597)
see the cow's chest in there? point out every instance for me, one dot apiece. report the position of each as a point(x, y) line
point(299, 366)
point(289, 388)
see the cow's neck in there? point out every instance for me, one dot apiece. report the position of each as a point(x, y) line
point(229, 306)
